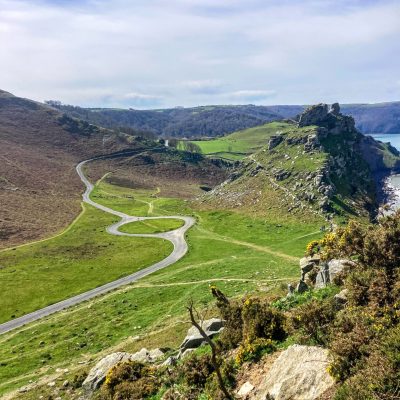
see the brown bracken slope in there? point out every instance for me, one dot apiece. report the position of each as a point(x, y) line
point(39, 148)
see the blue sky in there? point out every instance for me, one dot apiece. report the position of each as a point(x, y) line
point(165, 53)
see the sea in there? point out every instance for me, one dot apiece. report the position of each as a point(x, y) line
point(392, 182)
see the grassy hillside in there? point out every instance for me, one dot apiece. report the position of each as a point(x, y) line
point(325, 166)
point(151, 307)
point(240, 144)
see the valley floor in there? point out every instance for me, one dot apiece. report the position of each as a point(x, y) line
point(239, 253)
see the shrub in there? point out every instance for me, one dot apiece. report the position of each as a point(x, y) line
point(196, 369)
point(212, 389)
point(253, 351)
point(260, 320)
point(351, 336)
point(310, 323)
point(130, 380)
point(380, 376)
point(232, 334)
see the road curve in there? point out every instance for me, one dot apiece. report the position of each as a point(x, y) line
point(176, 237)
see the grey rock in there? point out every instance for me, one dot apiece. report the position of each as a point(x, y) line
point(170, 361)
point(330, 270)
point(323, 276)
point(312, 143)
point(291, 290)
point(281, 174)
point(274, 141)
point(307, 264)
point(98, 373)
point(314, 115)
point(299, 373)
point(301, 287)
point(341, 297)
point(193, 337)
point(335, 109)
point(245, 389)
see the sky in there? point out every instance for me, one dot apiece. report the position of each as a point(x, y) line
point(166, 53)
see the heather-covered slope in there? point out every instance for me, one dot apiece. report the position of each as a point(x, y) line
point(39, 147)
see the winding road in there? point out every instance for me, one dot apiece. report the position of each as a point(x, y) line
point(176, 237)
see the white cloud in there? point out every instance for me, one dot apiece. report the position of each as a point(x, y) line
point(252, 94)
point(189, 52)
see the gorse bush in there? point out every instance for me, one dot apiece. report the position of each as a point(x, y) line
point(364, 336)
point(248, 320)
point(310, 323)
point(260, 320)
point(130, 380)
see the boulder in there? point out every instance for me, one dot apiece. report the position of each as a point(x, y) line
point(308, 263)
point(329, 271)
point(335, 109)
point(193, 338)
point(341, 297)
point(314, 115)
point(274, 141)
point(301, 287)
point(245, 389)
point(98, 373)
point(299, 373)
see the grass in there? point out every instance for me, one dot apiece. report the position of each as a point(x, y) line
point(238, 253)
point(85, 257)
point(240, 144)
point(152, 226)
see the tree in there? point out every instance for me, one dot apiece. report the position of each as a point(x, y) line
point(214, 352)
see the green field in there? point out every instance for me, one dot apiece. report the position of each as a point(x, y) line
point(240, 144)
point(238, 253)
point(85, 257)
point(152, 226)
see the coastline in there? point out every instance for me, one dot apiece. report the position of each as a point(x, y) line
point(391, 189)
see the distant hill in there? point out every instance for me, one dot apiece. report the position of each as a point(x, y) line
point(39, 148)
point(375, 118)
point(219, 120)
point(208, 121)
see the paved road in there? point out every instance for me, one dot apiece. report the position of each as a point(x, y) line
point(176, 237)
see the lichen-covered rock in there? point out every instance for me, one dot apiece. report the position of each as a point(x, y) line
point(299, 373)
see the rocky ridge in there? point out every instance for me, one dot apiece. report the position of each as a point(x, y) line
point(322, 165)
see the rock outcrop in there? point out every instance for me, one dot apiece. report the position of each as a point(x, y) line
point(329, 271)
point(193, 338)
point(299, 373)
point(98, 373)
point(318, 274)
point(328, 118)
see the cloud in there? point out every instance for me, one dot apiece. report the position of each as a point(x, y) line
point(206, 86)
point(252, 95)
point(189, 52)
point(142, 99)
